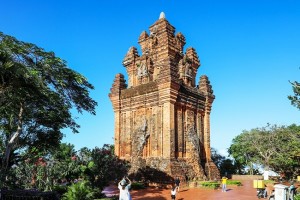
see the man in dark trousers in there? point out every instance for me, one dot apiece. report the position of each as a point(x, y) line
point(177, 183)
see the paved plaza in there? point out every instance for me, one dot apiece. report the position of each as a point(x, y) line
point(245, 192)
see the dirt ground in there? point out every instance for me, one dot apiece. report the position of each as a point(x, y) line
point(245, 192)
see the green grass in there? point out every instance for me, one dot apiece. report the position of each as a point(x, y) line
point(210, 184)
point(232, 182)
point(215, 184)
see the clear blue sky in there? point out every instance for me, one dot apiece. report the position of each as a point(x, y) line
point(248, 49)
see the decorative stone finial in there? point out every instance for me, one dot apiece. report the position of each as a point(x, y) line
point(162, 15)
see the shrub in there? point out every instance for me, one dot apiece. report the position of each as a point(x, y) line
point(60, 189)
point(137, 186)
point(231, 182)
point(210, 184)
point(79, 191)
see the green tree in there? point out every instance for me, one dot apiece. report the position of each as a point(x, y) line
point(37, 93)
point(42, 170)
point(242, 151)
point(225, 165)
point(288, 154)
point(273, 147)
point(295, 99)
point(216, 157)
point(85, 160)
point(255, 146)
point(46, 170)
point(64, 163)
point(105, 166)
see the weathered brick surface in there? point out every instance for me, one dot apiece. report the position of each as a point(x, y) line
point(162, 118)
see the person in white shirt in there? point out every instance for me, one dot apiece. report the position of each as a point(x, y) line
point(124, 189)
point(173, 193)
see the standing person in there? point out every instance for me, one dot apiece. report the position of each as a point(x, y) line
point(292, 191)
point(224, 182)
point(124, 189)
point(173, 192)
point(177, 183)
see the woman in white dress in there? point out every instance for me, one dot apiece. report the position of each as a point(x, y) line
point(124, 189)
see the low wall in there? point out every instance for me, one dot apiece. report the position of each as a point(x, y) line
point(28, 195)
point(246, 177)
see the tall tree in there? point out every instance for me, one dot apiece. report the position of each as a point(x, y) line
point(274, 147)
point(242, 151)
point(295, 99)
point(105, 166)
point(42, 169)
point(37, 92)
point(226, 165)
point(288, 154)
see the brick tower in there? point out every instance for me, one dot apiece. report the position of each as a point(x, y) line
point(162, 118)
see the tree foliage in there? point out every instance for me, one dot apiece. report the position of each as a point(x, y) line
point(295, 99)
point(63, 166)
point(225, 165)
point(273, 147)
point(242, 151)
point(43, 170)
point(105, 166)
point(79, 191)
point(288, 156)
point(37, 92)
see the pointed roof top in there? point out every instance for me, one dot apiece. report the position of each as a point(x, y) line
point(162, 15)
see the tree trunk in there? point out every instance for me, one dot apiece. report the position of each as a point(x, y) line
point(13, 139)
point(266, 172)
